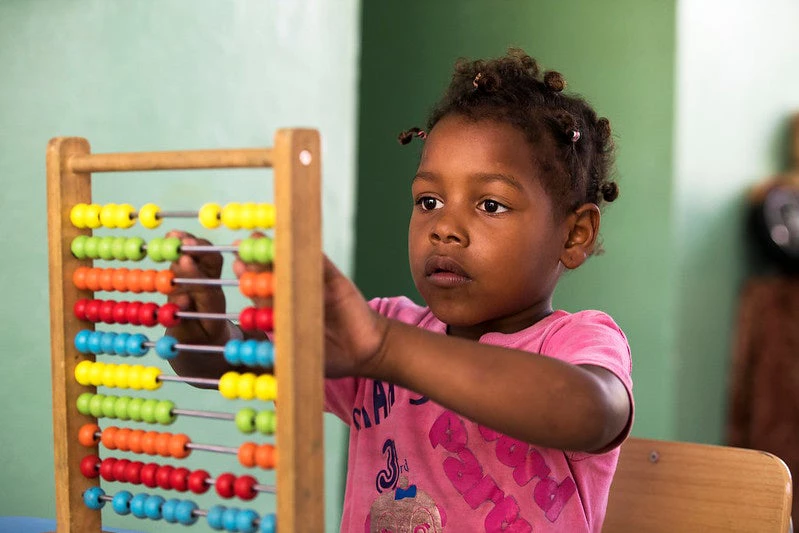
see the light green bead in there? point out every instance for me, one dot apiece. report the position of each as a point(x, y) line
point(109, 406)
point(118, 248)
point(90, 247)
point(170, 249)
point(163, 412)
point(134, 409)
point(121, 407)
point(154, 249)
point(245, 250)
point(245, 420)
point(148, 410)
point(105, 249)
point(134, 249)
point(83, 402)
point(96, 405)
point(78, 246)
point(266, 422)
point(263, 250)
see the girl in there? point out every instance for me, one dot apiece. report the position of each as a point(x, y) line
point(485, 410)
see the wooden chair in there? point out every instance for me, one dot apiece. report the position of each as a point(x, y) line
point(679, 486)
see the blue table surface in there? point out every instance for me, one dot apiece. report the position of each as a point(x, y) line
point(28, 524)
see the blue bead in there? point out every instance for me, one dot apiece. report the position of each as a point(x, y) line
point(165, 347)
point(94, 342)
point(214, 517)
point(135, 346)
point(137, 505)
point(245, 522)
point(185, 512)
point(121, 502)
point(247, 352)
point(265, 354)
point(269, 523)
point(152, 507)
point(82, 340)
point(230, 518)
point(232, 352)
point(92, 498)
point(169, 510)
point(107, 342)
point(121, 344)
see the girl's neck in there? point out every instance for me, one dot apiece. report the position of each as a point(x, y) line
point(509, 324)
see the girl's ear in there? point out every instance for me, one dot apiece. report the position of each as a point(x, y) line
point(583, 228)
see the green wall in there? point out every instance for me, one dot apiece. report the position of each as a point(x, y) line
point(621, 56)
point(154, 75)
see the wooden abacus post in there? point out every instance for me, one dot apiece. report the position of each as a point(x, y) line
point(299, 333)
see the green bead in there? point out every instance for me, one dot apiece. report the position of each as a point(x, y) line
point(245, 420)
point(134, 409)
point(154, 249)
point(266, 422)
point(121, 407)
point(83, 402)
point(170, 249)
point(134, 248)
point(105, 248)
point(109, 406)
point(163, 412)
point(118, 248)
point(245, 250)
point(263, 250)
point(78, 246)
point(90, 247)
point(148, 410)
point(96, 405)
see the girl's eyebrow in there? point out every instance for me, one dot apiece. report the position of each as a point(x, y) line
point(482, 178)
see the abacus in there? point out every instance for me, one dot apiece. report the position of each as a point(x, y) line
point(295, 285)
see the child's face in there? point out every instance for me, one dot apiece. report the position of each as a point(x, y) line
point(483, 239)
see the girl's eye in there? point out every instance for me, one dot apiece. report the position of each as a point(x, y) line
point(428, 203)
point(492, 206)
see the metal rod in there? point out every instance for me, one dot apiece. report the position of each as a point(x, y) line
point(209, 248)
point(198, 281)
point(204, 414)
point(212, 448)
point(197, 381)
point(194, 314)
point(190, 347)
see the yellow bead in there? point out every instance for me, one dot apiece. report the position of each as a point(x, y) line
point(96, 374)
point(134, 376)
point(246, 386)
point(82, 371)
point(121, 378)
point(149, 378)
point(124, 216)
point(92, 216)
point(209, 216)
point(266, 387)
point(247, 215)
point(228, 385)
point(230, 215)
point(109, 376)
point(148, 216)
point(77, 215)
point(265, 216)
point(107, 216)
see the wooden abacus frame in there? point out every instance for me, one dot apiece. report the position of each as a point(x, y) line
point(295, 159)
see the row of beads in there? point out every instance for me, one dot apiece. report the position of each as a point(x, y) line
point(221, 518)
point(250, 250)
point(168, 477)
point(118, 376)
point(248, 386)
point(248, 215)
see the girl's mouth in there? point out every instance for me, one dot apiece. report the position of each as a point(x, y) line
point(445, 272)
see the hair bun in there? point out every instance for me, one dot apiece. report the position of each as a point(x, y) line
point(555, 81)
point(610, 191)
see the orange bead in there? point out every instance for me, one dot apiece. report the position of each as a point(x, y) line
point(87, 434)
point(264, 456)
point(246, 284)
point(148, 442)
point(162, 444)
point(177, 446)
point(120, 278)
point(147, 280)
point(134, 285)
point(106, 279)
point(108, 437)
point(134, 440)
point(163, 281)
point(79, 277)
point(92, 279)
point(122, 439)
point(264, 285)
point(247, 454)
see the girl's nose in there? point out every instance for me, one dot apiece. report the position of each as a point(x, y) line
point(447, 229)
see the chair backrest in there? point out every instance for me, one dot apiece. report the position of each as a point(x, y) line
point(679, 486)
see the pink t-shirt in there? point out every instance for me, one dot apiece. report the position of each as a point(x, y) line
point(416, 467)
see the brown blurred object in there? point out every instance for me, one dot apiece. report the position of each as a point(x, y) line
point(790, 178)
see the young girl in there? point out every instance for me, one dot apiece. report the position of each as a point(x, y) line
point(485, 410)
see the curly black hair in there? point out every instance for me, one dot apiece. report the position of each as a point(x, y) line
point(574, 148)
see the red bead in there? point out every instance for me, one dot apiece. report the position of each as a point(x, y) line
point(132, 313)
point(121, 313)
point(88, 466)
point(264, 319)
point(197, 481)
point(107, 469)
point(168, 315)
point(148, 314)
point(80, 309)
point(133, 472)
point(247, 318)
point(148, 472)
point(119, 469)
point(224, 485)
point(93, 310)
point(180, 479)
point(244, 487)
point(107, 311)
point(163, 476)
